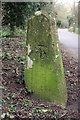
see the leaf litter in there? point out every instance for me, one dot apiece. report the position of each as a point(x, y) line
point(19, 103)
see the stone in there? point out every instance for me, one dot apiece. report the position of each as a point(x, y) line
point(44, 73)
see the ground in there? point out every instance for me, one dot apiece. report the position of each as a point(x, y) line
point(17, 102)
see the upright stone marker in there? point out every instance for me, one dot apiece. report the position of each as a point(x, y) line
point(44, 74)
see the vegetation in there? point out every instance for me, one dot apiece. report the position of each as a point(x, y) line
point(15, 14)
point(59, 23)
point(77, 30)
point(16, 101)
point(70, 20)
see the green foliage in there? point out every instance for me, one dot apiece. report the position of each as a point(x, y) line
point(20, 59)
point(70, 20)
point(2, 101)
point(7, 115)
point(77, 30)
point(19, 70)
point(5, 31)
point(20, 32)
point(1, 87)
point(59, 23)
point(22, 43)
point(29, 91)
point(15, 14)
point(20, 79)
point(5, 56)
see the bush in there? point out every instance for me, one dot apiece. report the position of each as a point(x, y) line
point(5, 31)
point(77, 30)
point(18, 32)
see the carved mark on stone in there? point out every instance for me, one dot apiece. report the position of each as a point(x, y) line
point(42, 45)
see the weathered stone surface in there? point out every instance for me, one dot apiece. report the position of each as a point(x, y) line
point(44, 74)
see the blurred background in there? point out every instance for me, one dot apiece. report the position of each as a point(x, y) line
point(15, 14)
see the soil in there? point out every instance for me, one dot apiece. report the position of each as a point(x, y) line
point(17, 101)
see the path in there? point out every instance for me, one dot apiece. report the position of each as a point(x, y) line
point(70, 41)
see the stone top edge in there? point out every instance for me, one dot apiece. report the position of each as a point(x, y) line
point(44, 13)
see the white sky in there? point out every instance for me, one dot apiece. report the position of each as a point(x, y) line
point(68, 2)
point(59, 1)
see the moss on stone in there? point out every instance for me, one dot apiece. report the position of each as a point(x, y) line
point(46, 74)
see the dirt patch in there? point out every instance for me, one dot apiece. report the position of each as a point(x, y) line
point(17, 101)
